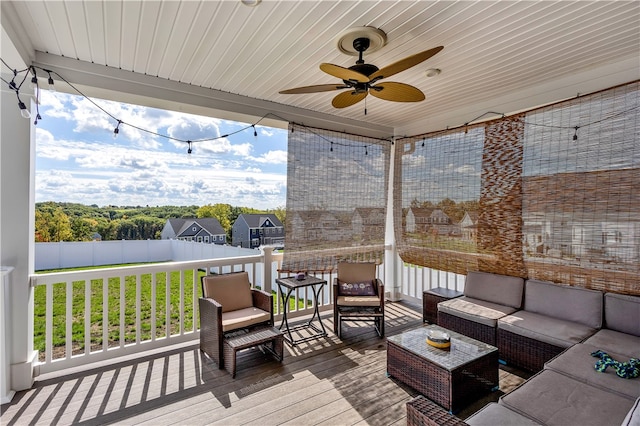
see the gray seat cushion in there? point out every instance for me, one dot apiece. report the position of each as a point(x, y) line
point(494, 414)
point(552, 399)
point(577, 362)
point(554, 331)
point(476, 310)
point(615, 341)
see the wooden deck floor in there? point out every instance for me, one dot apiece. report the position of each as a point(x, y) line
point(326, 381)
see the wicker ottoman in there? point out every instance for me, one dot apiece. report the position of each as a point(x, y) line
point(270, 338)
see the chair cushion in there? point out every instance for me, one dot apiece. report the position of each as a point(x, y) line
point(556, 332)
point(573, 304)
point(356, 272)
point(232, 291)
point(494, 414)
point(616, 342)
point(495, 288)
point(555, 399)
point(242, 318)
point(577, 362)
point(362, 288)
point(477, 310)
point(358, 301)
point(622, 313)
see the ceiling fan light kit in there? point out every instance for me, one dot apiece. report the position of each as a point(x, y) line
point(363, 79)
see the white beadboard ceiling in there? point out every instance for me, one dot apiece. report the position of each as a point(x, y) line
point(498, 55)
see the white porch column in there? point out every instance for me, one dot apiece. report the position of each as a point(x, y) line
point(16, 228)
point(392, 276)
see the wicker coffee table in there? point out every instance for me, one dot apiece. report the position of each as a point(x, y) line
point(452, 377)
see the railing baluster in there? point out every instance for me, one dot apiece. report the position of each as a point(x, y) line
point(181, 302)
point(87, 316)
point(49, 323)
point(123, 308)
point(153, 306)
point(194, 300)
point(105, 314)
point(69, 320)
point(167, 311)
point(138, 308)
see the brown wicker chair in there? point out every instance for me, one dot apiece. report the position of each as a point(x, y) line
point(358, 296)
point(230, 304)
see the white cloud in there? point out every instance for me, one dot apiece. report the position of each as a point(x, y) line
point(273, 157)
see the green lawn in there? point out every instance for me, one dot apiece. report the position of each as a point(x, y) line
point(78, 312)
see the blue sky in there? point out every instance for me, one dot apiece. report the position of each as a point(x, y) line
point(78, 160)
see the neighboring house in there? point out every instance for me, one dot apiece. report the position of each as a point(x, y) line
point(255, 230)
point(96, 237)
point(368, 223)
point(422, 219)
point(316, 225)
point(469, 226)
point(204, 230)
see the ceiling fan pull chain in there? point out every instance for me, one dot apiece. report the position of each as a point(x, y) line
point(365, 106)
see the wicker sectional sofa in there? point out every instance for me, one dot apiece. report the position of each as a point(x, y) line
point(487, 298)
point(568, 390)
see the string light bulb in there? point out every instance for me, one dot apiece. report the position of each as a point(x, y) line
point(52, 88)
point(34, 80)
point(189, 150)
point(331, 149)
point(366, 152)
point(24, 112)
point(117, 129)
point(575, 134)
point(255, 133)
point(38, 118)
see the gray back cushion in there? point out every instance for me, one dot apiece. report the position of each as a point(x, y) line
point(568, 303)
point(622, 313)
point(495, 288)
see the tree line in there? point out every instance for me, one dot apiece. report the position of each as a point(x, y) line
point(58, 221)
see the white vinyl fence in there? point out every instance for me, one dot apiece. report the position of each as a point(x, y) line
point(97, 253)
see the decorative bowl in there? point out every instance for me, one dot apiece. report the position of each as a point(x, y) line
point(438, 339)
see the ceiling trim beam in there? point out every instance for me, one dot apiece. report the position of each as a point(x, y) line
point(131, 87)
point(548, 92)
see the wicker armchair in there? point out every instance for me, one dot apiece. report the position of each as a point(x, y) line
point(230, 304)
point(358, 296)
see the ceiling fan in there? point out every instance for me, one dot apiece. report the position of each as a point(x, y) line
point(363, 79)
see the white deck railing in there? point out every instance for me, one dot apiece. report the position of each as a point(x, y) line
point(99, 314)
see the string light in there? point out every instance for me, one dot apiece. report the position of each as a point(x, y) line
point(189, 150)
point(365, 150)
point(52, 88)
point(24, 112)
point(575, 134)
point(117, 129)
point(34, 79)
point(331, 149)
point(255, 133)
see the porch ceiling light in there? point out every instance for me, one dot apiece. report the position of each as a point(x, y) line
point(251, 3)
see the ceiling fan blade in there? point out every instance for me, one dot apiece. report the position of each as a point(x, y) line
point(348, 98)
point(398, 92)
point(405, 63)
point(343, 73)
point(313, 89)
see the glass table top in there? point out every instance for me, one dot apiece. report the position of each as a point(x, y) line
point(463, 349)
